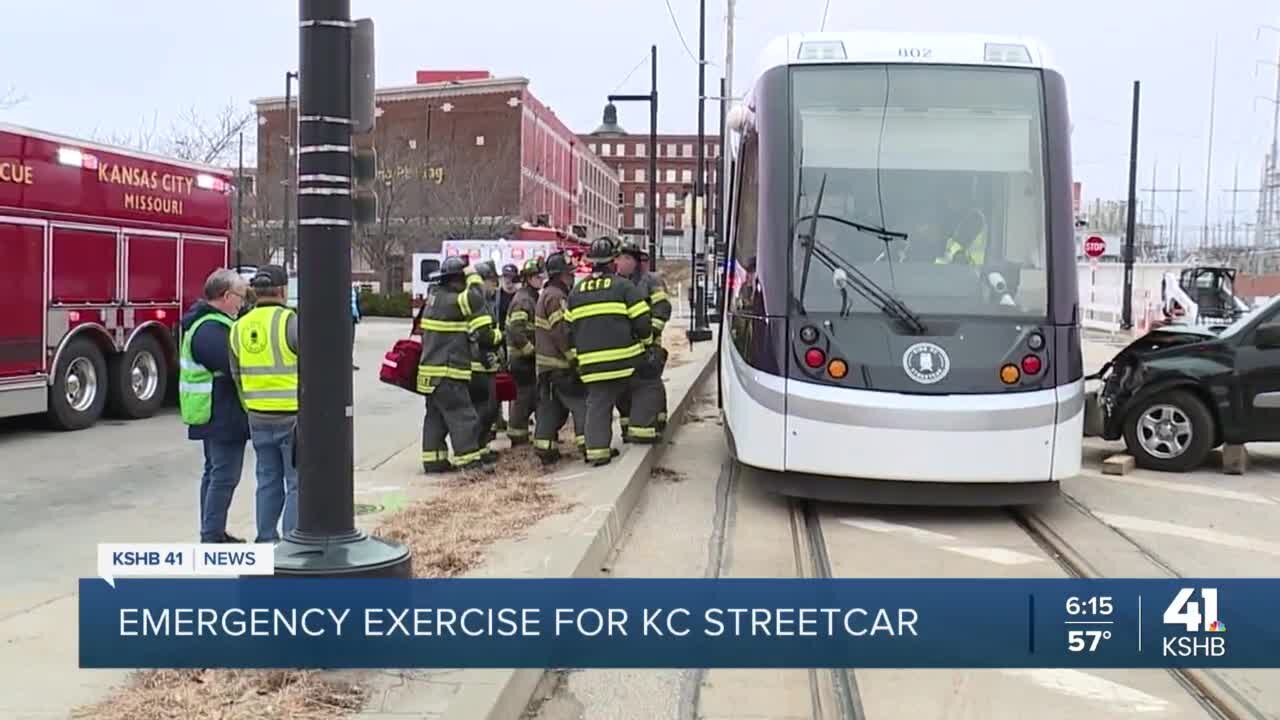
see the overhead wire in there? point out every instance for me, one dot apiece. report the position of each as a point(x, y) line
point(680, 34)
point(639, 65)
point(825, 8)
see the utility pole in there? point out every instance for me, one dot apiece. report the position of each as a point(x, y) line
point(326, 542)
point(1208, 165)
point(1154, 189)
point(1126, 311)
point(698, 329)
point(727, 94)
point(240, 203)
point(1269, 208)
point(1235, 194)
point(655, 232)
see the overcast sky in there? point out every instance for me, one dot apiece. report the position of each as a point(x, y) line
point(91, 65)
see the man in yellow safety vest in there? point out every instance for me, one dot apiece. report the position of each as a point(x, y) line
point(264, 363)
point(968, 245)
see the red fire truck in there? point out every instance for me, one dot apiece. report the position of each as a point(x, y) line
point(101, 249)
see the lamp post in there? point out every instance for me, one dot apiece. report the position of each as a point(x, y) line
point(652, 99)
point(326, 542)
point(291, 159)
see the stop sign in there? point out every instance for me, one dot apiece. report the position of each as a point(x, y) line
point(1095, 246)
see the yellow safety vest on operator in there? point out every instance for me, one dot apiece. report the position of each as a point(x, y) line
point(268, 368)
point(975, 253)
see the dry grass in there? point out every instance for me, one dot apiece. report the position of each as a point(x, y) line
point(228, 695)
point(448, 535)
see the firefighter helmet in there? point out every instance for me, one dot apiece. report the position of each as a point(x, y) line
point(632, 248)
point(486, 270)
point(602, 251)
point(531, 268)
point(510, 271)
point(558, 264)
point(452, 267)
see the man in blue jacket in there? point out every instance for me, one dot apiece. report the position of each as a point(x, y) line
point(355, 320)
point(209, 400)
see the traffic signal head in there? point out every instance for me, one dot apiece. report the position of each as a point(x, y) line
point(363, 103)
point(364, 170)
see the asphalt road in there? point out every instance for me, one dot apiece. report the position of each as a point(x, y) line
point(126, 482)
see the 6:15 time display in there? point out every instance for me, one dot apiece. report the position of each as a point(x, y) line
point(1092, 605)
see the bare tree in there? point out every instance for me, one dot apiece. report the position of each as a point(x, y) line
point(402, 172)
point(145, 137)
point(11, 98)
point(209, 141)
point(478, 196)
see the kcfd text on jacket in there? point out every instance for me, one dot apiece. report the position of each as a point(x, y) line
point(610, 326)
point(451, 323)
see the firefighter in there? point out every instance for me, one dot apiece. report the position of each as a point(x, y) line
point(663, 308)
point(508, 286)
point(611, 333)
point(642, 406)
point(560, 392)
point(487, 359)
point(520, 351)
point(455, 318)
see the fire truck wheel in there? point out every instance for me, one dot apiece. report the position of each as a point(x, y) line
point(139, 379)
point(78, 394)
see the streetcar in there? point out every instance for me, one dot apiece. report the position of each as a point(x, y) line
point(900, 323)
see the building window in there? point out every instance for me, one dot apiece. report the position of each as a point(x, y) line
point(621, 175)
point(639, 175)
point(639, 199)
point(621, 220)
point(670, 220)
point(671, 199)
point(639, 221)
point(641, 150)
point(592, 146)
point(620, 150)
point(605, 149)
point(671, 175)
point(686, 176)
point(479, 140)
point(671, 149)
point(688, 150)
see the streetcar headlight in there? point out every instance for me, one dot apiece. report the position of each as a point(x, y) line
point(809, 334)
point(1036, 341)
point(823, 50)
point(1009, 374)
point(1000, 53)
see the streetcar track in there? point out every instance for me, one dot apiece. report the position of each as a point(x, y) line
point(1204, 686)
point(837, 686)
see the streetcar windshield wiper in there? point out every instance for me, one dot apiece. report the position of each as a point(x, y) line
point(847, 276)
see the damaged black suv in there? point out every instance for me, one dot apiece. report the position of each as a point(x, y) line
point(1180, 391)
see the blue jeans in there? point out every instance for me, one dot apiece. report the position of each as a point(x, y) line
point(223, 462)
point(277, 478)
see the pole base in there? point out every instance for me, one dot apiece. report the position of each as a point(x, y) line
point(356, 555)
point(698, 334)
point(713, 317)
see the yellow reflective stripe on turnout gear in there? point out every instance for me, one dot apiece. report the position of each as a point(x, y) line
point(659, 323)
point(526, 349)
point(443, 371)
point(464, 304)
point(517, 316)
point(571, 353)
point(596, 309)
point(479, 321)
point(541, 444)
point(656, 297)
point(580, 440)
point(479, 367)
point(642, 432)
point(268, 368)
point(610, 375)
point(553, 362)
point(599, 453)
point(611, 355)
point(638, 309)
point(435, 455)
point(458, 326)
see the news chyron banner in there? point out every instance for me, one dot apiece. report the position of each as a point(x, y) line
point(255, 622)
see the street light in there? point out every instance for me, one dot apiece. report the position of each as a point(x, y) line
point(652, 99)
point(291, 158)
point(698, 329)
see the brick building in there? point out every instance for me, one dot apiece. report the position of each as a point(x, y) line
point(461, 154)
point(628, 154)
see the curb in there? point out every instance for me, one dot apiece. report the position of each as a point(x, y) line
point(506, 693)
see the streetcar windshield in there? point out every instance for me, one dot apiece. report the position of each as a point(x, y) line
point(952, 157)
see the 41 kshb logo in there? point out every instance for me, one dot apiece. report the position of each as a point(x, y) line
point(1186, 612)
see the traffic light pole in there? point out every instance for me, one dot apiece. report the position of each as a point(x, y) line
point(1126, 308)
point(326, 542)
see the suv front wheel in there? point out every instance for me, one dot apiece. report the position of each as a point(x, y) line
point(1171, 431)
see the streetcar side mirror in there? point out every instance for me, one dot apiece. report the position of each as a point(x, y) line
point(1267, 336)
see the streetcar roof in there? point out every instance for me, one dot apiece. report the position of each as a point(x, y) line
point(927, 48)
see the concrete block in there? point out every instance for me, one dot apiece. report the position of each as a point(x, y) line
point(1235, 459)
point(1119, 464)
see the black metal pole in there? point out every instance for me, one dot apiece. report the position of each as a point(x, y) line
point(326, 541)
point(698, 329)
point(715, 313)
point(654, 231)
point(1126, 311)
point(289, 160)
point(240, 203)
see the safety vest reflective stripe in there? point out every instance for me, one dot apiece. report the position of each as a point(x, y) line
point(269, 373)
point(612, 355)
point(458, 326)
point(976, 252)
point(195, 381)
point(595, 310)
